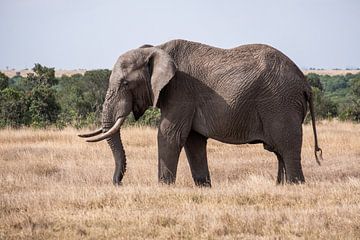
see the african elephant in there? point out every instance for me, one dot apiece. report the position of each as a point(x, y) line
point(248, 94)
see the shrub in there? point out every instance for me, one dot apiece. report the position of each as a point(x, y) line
point(13, 108)
point(43, 108)
point(4, 81)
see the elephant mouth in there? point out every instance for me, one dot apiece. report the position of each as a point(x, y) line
point(94, 135)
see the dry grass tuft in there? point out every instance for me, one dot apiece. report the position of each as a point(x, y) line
point(54, 185)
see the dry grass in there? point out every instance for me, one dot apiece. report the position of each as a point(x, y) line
point(331, 72)
point(53, 185)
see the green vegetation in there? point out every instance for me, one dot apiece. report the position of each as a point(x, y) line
point(30, 101)
point(336, 96)
point(41, 99)
point(81, 98)
point(4, 81)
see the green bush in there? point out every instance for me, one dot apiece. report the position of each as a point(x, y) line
point(81, 98)
point(314, 80)
point(13, 108)
point(4, 81)
point(336, 96)
point(150, 118)
point(30, 100)
point(352, 110)
point(43, 107)
point(325, 108)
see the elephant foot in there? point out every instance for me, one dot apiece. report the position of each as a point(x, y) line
point(283, 178)
point(281, 174)
point(203, 182)
point(295, 180)
point(280, 183)
point(166, 180)
point(294, 175)
point(117, 184)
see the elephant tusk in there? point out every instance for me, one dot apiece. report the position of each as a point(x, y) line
point(91, 134)
point(109, 133)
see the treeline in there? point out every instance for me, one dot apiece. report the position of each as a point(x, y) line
point(336, 96)
point(41, 99)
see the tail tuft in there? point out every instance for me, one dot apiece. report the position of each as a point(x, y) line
point(317, 149)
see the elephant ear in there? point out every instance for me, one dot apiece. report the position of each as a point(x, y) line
point(162, 69)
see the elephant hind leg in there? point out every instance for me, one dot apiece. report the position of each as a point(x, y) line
point(195, 148)
point(286, 141)
point(281, 165)
point(290, 154)
point(293, 169)
point(281, 170)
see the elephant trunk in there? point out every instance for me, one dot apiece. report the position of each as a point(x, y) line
point(111, 132)
point(118, 152)
point(111, 129)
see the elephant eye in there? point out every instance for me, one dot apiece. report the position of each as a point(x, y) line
point(124, 82)
point(124, 85)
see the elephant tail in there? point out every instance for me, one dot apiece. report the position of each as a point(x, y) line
point(312, 113)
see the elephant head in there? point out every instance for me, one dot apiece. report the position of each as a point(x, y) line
point(134, 85)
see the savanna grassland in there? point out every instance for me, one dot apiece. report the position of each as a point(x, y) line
point(54, 185)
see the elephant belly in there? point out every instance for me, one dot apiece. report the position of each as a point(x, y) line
point(228, 125)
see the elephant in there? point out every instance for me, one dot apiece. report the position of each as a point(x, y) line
point(245, 95)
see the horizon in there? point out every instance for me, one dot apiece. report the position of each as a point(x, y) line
point(92, 34)
point(89, 69)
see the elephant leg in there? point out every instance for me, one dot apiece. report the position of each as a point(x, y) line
point(281, 170)
point(173, 131)
point(281, 165)
point(168, 157)
point(286, 140)
point(290, 152)
point(195, 148)
point(293, 169)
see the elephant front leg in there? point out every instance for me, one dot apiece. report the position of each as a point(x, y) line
point(175, 125)
point(195, 148)
point(168, 157)
point(281, 170)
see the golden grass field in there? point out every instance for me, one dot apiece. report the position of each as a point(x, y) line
point(54, 185)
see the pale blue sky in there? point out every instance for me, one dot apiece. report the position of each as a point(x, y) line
point(71, 34)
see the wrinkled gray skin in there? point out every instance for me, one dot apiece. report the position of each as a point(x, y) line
point(249, 94)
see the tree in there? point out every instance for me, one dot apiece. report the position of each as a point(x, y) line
point(4, 81)
point(314, 80)
point(76, 109)
point(43, 108)
point(355, 87)
point(352, 112)
point(324, 107)
point(96, 84)
point(45, 75)
point(42, 76)
point(151, 118)
point(81, 97)
point(13, 108)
